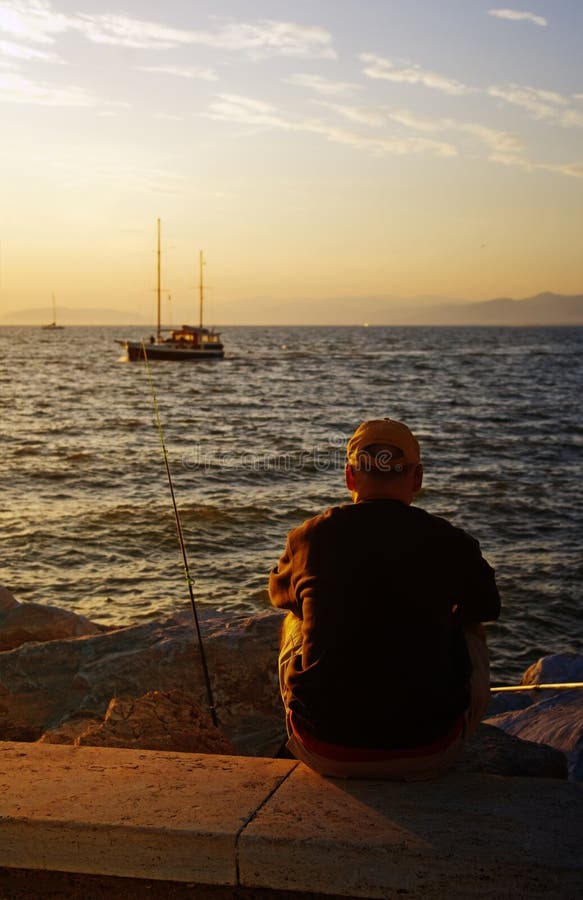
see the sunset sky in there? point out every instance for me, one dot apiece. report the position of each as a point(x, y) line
point(313, 150)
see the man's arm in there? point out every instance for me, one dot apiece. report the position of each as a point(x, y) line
point(281, 587)
point(479, 600)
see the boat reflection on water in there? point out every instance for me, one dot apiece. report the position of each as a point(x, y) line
point(188, 343)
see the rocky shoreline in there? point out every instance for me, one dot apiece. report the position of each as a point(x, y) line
point(64, 679)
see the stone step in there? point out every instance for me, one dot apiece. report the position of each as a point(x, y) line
point(273, 825)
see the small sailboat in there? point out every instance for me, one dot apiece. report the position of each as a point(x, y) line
point(52, 326)
point(188, 343)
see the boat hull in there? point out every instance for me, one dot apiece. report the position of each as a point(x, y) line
point(169, 351)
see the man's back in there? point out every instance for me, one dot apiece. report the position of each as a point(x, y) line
point(383, 590)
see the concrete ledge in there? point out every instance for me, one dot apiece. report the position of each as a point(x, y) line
point(138, 814)
point(460, 836)
point(237, 827)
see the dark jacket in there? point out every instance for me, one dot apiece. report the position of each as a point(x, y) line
point(383, 590)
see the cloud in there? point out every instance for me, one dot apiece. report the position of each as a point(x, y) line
point(515, 15)
point(571, 118)
point(365, 115)
point(247, 111)
point(382, 146)
point(39, 22)
point(12, 50)
point(32, 20)
point(378, 67)
point(409, 120)
point(494, 140)
point(503, 148)
point(571, 170)
point(323, 86)
point(123, 31)
point(497, 141)
point(541, 104)
point(270, 37)
point(15, 88)
point(182, 72)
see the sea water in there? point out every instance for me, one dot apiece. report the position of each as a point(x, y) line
point(256, 445)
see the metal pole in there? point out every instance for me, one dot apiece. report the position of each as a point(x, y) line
point(563, 686)
point(200, 287)
point(158, 289)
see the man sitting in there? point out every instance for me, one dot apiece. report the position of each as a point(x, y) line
point(383, 663)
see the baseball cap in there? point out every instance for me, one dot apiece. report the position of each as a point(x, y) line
point(389, 433)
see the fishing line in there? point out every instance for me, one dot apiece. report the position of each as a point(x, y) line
point(187, 575)
point(189, 581)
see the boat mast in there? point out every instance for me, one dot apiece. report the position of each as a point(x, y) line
point(54, 310)
point(200, 287)
point(158, 282)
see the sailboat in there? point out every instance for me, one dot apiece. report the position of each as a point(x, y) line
point(53, 325)
point(188, 343)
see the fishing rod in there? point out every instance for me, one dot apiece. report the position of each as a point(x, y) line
point(179, 531)
point(563, 686)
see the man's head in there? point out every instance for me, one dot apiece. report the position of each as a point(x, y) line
point(383, 461)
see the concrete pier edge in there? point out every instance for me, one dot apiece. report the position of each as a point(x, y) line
point(102, 822)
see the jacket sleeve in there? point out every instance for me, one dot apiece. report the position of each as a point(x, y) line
point(478, 600)
point(281, 582)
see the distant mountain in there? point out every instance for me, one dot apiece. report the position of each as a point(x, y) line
point(67, 316)
point(542, 309)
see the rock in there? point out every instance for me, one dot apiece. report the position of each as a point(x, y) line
point(576, 761)
point(7, 600)
point(495, 752)
point(560, 668)
point(553, 717)
point(69, 731)
point(45, 686)
point(21, 623)
point(506, 702)
point(160, 720)
point(556, 720)
point(64, 688)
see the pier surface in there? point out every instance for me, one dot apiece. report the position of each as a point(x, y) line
point(105, 823)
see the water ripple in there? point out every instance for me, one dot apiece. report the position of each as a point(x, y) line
point(256, 445)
